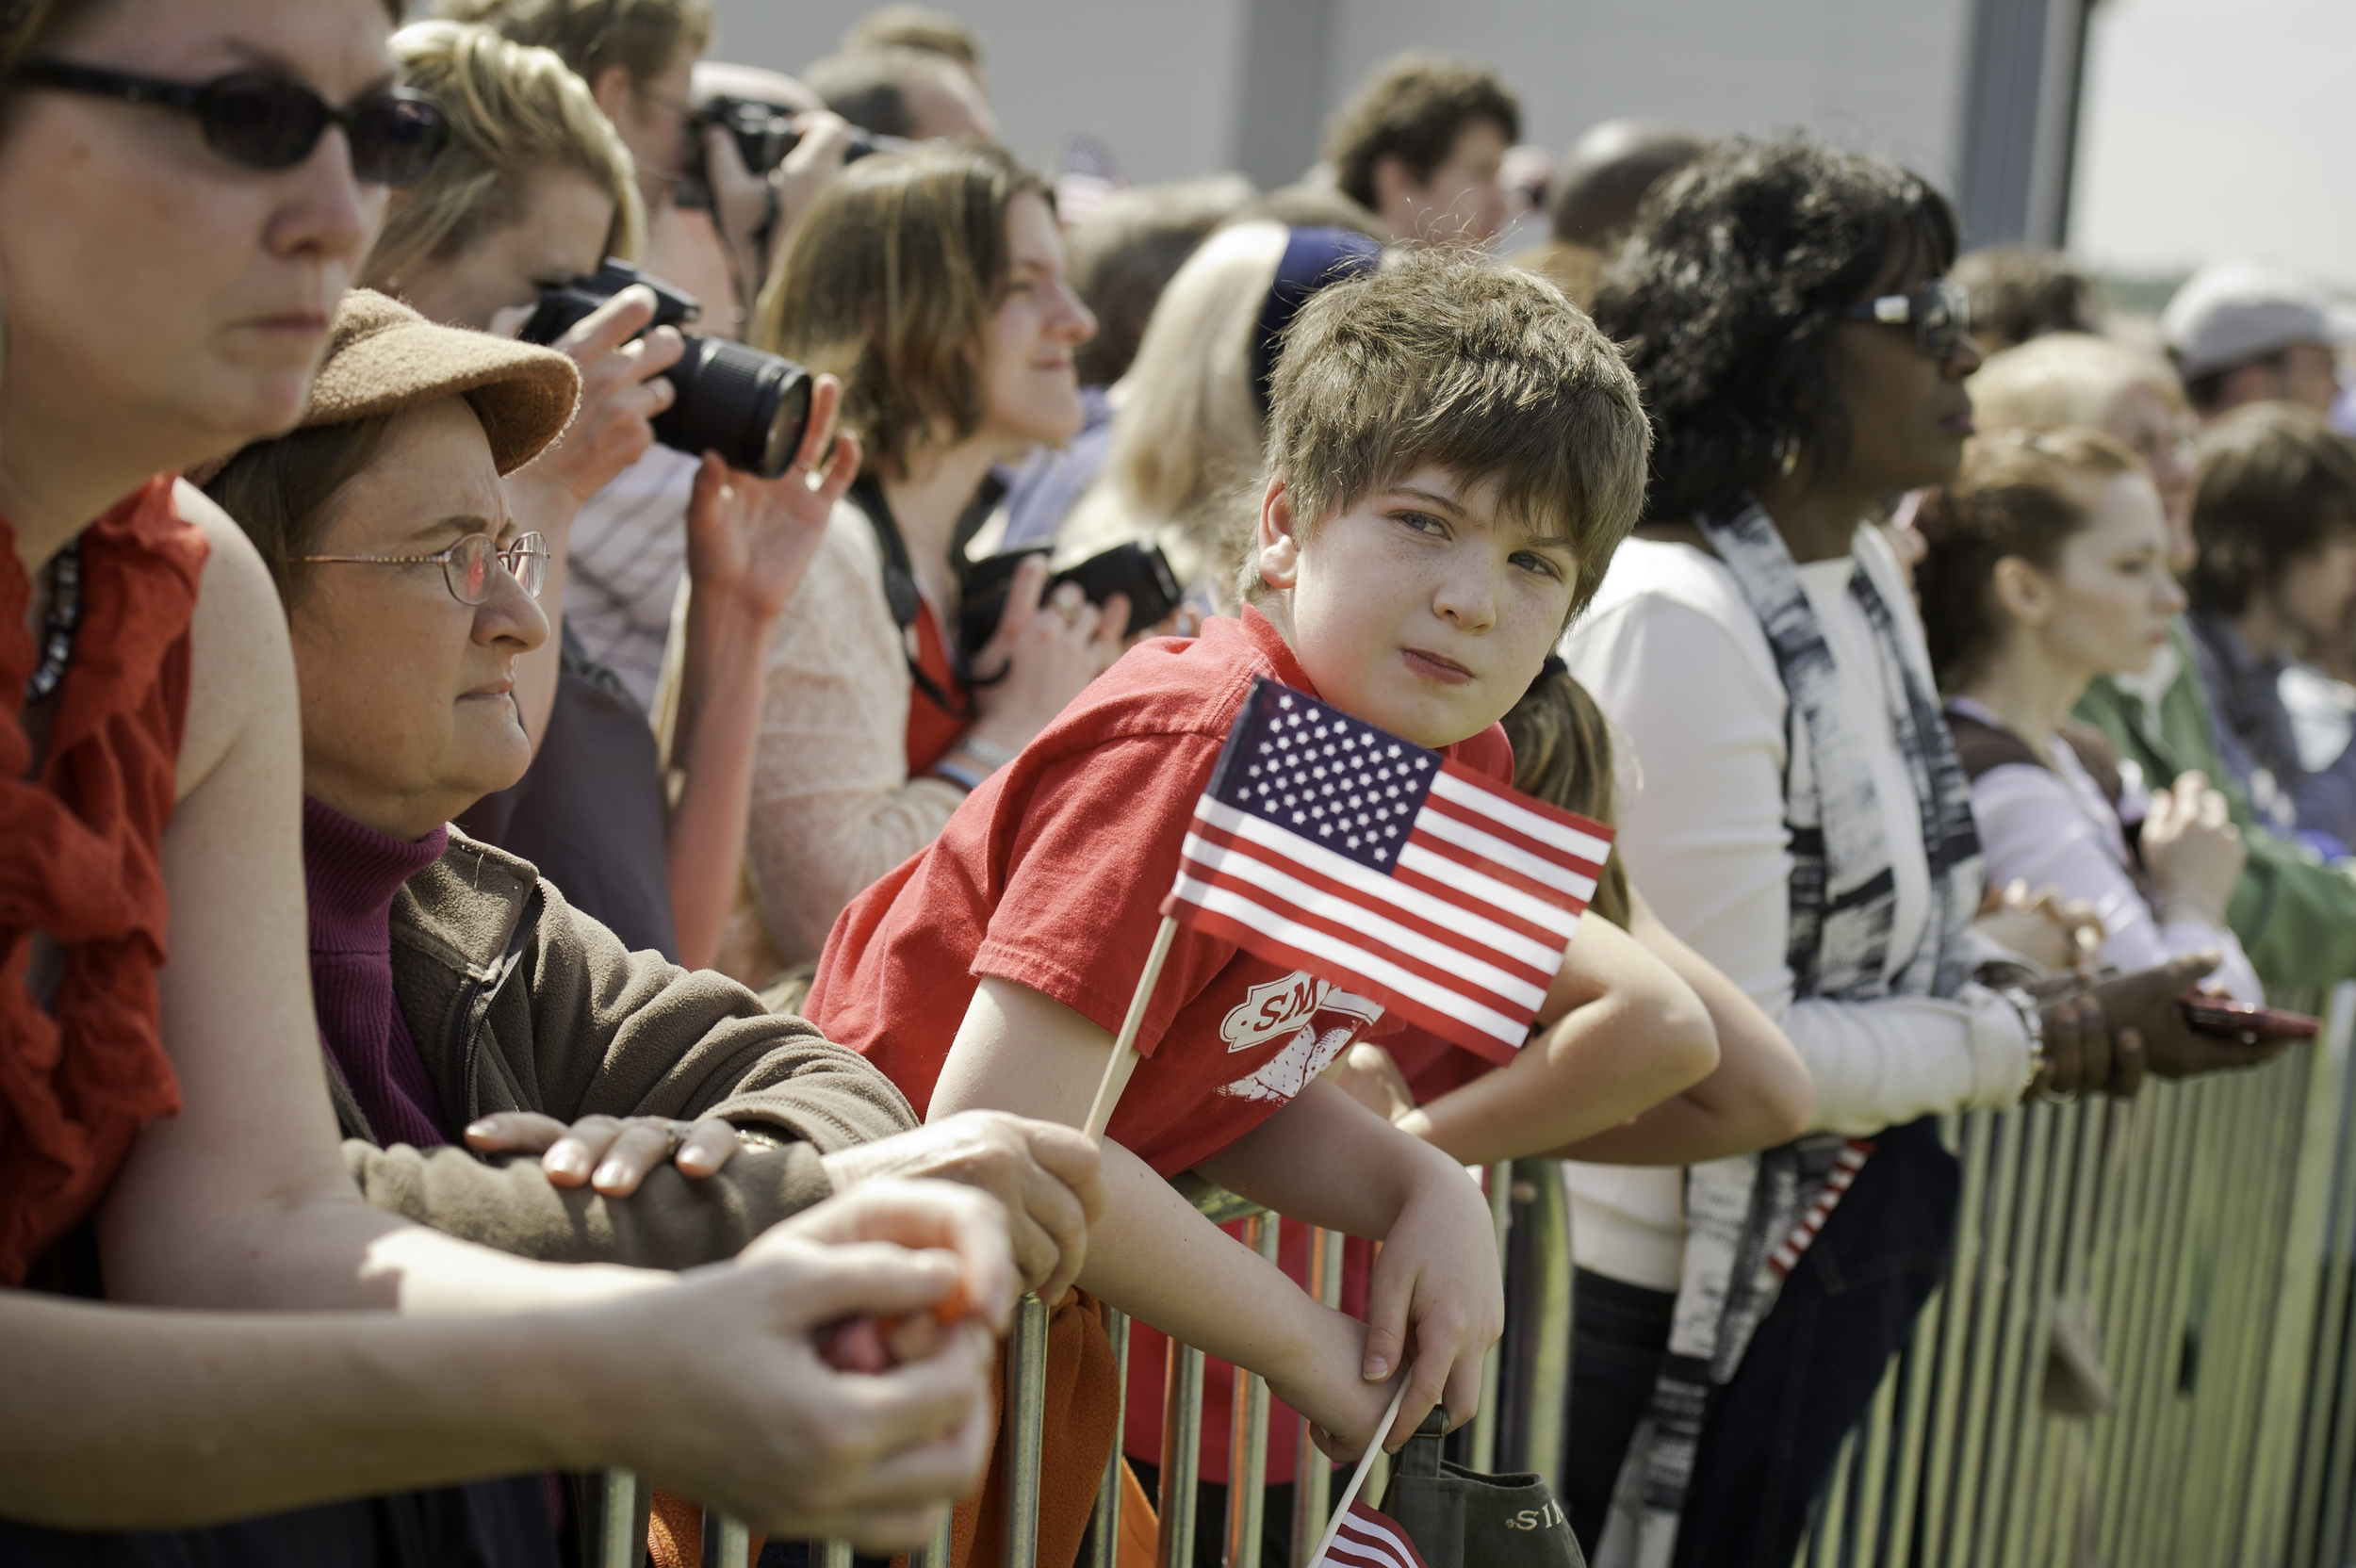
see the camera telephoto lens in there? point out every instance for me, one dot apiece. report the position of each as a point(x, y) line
point(749, 406)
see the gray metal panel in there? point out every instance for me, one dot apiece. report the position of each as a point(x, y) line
point(1287, 47)
point(2021, 121)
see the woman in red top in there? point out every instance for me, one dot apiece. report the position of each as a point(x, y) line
point(165, 1129)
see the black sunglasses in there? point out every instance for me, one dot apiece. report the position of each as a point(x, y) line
point(1939, 312)
point(266, 122)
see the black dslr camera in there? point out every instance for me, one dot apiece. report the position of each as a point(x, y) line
point(749, 406)
point(764, 134)
point(1141, 571)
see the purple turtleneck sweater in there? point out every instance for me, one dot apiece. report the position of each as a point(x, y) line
point(352, 873)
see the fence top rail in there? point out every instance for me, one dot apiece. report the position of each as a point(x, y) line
point(1211, 1201)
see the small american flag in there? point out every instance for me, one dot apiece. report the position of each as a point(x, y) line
point(1371, 1540)
point(1328, 844)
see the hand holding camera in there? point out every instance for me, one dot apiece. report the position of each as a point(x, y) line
point(749, 406)
point(1049, 645)
point(623, 388)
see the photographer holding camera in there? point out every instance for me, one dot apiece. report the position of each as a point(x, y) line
point(875, 729)
point(535, 191)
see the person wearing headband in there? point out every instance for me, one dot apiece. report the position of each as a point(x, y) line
point(1190, 413)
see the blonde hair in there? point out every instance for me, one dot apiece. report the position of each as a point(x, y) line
point(888, 281)
point(515, 112)
point(645, 38)
point(2065, 377)
point(1186, 443)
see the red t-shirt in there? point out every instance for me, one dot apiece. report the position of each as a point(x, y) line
point(1053, 875)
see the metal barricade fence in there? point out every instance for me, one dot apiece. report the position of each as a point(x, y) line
point(2141, 1353)
point(1527, 1373)
point(2144, 1353)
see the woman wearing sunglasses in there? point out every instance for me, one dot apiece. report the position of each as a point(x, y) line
point(1803, 825)
point(170, 275)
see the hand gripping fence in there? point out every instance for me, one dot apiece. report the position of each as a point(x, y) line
point(1532, 1217)
point(2144, 1352)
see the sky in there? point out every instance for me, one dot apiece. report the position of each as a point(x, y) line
point(2218, 128)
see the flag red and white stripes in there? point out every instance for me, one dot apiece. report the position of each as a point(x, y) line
point(1845, 1165)
point(1325, 844)
point(1371, 1540)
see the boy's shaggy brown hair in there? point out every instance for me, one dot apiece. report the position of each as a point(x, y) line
point(2276, 484)
point(1444, 360)
point(1414, 106)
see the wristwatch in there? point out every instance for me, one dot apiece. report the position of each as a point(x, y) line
point(2033, 1025)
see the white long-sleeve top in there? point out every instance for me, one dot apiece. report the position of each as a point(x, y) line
point(1674, 654)
point(833, 805)
point(2057, 828)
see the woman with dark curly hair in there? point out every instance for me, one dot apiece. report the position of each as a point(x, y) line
point(1802, 822)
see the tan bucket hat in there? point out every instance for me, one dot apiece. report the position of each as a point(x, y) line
point(382, 356)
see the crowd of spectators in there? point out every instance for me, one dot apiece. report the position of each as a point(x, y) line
point(648, 907)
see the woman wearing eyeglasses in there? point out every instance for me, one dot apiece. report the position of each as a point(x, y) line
point(1802, 823)
point(179, 215)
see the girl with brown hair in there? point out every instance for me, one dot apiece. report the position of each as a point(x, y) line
point(2046, 566)
point(932, 282)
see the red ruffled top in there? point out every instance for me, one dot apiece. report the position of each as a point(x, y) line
point(81, 860)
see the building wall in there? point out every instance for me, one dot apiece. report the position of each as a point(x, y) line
point(1171, 88)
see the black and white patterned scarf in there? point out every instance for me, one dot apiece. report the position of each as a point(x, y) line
point(1749, 1217)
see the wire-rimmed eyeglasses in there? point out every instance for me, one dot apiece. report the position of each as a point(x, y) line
point(466, 564)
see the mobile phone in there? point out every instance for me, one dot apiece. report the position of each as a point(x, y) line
point(2246, 1021)
point(1141, 571)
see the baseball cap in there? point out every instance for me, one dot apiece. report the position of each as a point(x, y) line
point(2235, 312)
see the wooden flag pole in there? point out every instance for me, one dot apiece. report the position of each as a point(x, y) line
point(1124, 1059)
point(1358, 1477)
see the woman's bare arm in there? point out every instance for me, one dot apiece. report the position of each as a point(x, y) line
point(132, 1418)
point(1760, 1096)
point(1628, 1033)
point(120, 1418)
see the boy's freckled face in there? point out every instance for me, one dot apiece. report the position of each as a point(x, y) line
point(1418, 609)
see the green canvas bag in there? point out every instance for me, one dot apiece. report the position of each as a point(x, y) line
point(1459, 1518)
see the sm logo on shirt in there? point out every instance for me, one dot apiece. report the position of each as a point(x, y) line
point(1320, 1018)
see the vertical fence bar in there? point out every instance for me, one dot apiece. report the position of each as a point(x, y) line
point(1105, 1529)
point(936, 1552)
point(830, 1554)
point(1182, 1440)
point(1026, 1401)
point(1967, 1531)
point(1545, 1296)
point(2292, 1361)
point(621, 1521)
point(2013, 1425)
point(2319, 1505)
point(1485, 1422)
point(1246, 1443)
point(1312, 1472)
point(728, 1544)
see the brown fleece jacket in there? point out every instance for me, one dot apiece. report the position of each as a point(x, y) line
point(518, 1002)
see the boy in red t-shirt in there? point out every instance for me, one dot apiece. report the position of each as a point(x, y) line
point(1454, 454)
